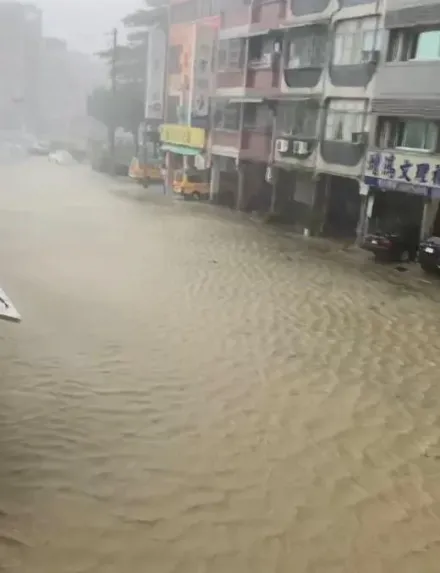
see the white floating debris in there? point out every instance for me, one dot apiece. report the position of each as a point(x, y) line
point(7, 309)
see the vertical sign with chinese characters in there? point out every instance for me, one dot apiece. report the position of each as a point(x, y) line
point(395, 170)
point(156, 58)
point(202, 76)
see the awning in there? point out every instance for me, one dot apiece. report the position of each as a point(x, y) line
point(181, 149)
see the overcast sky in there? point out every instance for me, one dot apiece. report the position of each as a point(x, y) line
point(85, 23)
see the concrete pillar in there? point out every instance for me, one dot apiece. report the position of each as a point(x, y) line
point(169, 172)
point(241, 187)
point(273, 199)
point(429, 212)
point(364, 213)
point(215, 179)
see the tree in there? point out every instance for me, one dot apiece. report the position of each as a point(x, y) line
point(126, 110)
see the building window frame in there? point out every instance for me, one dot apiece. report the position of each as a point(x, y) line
point(298, 119)
point(346, 120)
point(230, 54)
point(397, 133)
point(227, 116)
point(406, 44)
point(257, 117)
point(306, 51)
point(356, 40)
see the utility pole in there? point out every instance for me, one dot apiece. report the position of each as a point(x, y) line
point(113, 120)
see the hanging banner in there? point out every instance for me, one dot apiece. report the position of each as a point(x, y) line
point(156, 66)
point(202, 76)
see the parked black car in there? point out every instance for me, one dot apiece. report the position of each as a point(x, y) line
point(429, 255)
point(399, 244)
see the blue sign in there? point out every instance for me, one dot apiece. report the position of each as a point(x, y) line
point(402, 171)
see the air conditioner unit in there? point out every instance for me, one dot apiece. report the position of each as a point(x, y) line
point(370, 56)
point(359, 137)
point(281, 145)
point(303, 147)
point(296, 147)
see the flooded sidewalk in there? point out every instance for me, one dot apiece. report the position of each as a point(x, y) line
point(192, 392)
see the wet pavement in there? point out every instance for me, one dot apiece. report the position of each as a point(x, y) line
point(190, 392)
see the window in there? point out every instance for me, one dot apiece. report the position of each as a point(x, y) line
point(261, 49)
point(298, 118)
point(345, 119)
point(257, 116)
point(307, 52)
point(428, 46)
point(227, 116)
point(355, 41)
point(418, 134)
point(174, 57)
point(410, 44)
point(414, 134)
point(230, 54)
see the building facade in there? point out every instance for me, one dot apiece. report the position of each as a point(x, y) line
point(313, 110)
point(294, 85)
point(402, 166)
point(192, 41)
point(20, 52)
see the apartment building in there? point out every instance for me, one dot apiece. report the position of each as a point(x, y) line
point(294, 84)
point(192, 38)
point(20, 43)
point(275, 97)
point(402, 167)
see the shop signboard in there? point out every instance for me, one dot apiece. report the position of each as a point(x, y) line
point(157, 49)
point(398, 170)
point(202, 73)
point(176, 134)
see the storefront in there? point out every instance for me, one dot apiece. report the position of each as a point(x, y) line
point(343, 207)
point(404, 188)
point(184, 149)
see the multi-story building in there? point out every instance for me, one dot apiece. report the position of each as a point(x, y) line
point(291, 86)
point(294, 84)
point(148, 164)
point(402, 166)
point(20, 42)
point(192, 36)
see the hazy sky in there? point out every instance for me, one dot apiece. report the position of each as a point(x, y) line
point(85, 23)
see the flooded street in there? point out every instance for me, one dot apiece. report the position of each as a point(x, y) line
point(182, 397)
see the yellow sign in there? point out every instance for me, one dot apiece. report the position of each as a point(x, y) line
point(182, 135)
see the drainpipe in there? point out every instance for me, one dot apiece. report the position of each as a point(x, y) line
point(241, 182)
point(273, 107)
point(362, 227)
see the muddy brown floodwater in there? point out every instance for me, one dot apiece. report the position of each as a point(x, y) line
point(182, 397)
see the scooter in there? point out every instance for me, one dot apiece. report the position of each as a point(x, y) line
point(7, 309)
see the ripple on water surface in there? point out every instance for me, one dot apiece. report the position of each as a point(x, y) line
point(183, 397)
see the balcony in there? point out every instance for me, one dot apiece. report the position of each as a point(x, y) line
point(263, 73)
point(262, 81)
point(256, 144)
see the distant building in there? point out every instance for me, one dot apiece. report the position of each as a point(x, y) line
point(67, 78)
point(20, 43)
